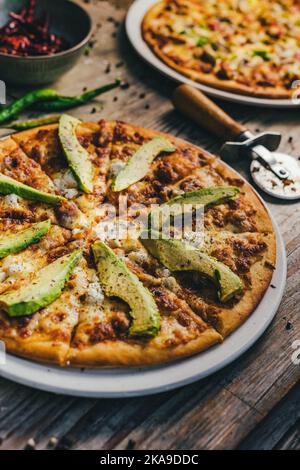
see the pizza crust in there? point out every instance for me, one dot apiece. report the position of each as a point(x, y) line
point(38, 348)
point(129, 354)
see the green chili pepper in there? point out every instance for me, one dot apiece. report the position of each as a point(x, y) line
point(40, 99)
point(13, 110)
point(30, 124)
point(68, 102)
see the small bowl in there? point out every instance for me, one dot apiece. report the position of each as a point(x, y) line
point(67, 19)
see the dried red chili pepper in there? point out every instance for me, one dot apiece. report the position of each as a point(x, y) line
point(25, 35)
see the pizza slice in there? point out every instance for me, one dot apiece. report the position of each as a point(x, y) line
point(250, 256)
point(43, 145)
point(44, 334)
point(16, 165)
point(186, 169)
point(104, 334)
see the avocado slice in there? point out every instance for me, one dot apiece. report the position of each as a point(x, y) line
point(206, 197)
point(10, 186)
point(15, 242)
point(77, 156)
point(117, 280)
point(138, 165)
point(46, 287)
point(179, 256)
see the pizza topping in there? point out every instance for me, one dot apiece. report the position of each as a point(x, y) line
point(13, 269)
point(138, 166)
point(77, 156)
point(9, 185)
point(66, 184)
point(12, 243)
point(191, 201)
point(42, 290)
point(117, 280)
point(71, 217)
point(95, 294)
point(12, 200)
point(178, 256)
point(116, 166)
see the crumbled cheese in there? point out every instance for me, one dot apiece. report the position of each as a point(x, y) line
point(138, 256)
point(195, 239)
point(70, 193)
point(76, 231)
point(14, 268)
point(80, 280)
point(95, 294)
point(115, 167)
point(81, 221)
point(12, 200)
point(66, 184)
point(177, 192)
point(163, 272)
point(112, 229)
point(3, 276)
point(170, 283)
point(65, 181)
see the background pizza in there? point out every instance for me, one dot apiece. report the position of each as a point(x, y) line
point(247, 46)
point(86, 324)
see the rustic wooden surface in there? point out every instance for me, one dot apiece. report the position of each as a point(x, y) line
point(251, 404)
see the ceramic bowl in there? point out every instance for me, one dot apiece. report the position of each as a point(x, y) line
point(67, 19)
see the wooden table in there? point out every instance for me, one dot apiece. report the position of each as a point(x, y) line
point(251, 404)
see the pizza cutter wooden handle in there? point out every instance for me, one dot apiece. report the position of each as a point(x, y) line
point(196, 106)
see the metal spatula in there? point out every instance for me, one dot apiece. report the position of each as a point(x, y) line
point(275, 173)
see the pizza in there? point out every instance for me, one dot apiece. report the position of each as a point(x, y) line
point(75, 293)
point(249, 47)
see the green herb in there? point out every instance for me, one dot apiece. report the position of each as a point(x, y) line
point(263, 54)
point(202, 41)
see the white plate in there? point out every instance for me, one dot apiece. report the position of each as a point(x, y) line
point(144, 381)
point(134, 20)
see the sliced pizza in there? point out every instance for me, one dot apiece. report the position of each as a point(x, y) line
point(249, 47)
point(81, 286)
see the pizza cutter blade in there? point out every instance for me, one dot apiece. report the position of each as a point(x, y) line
point(275, 173)
point(287, 188)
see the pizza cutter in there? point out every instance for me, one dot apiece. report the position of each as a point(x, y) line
point(275, 173)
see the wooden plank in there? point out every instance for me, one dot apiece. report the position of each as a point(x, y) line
point(276, 428)
point(198, 421)
point(291, 441)
point(221, 411)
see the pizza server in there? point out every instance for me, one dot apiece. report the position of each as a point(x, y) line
point(275, 173)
